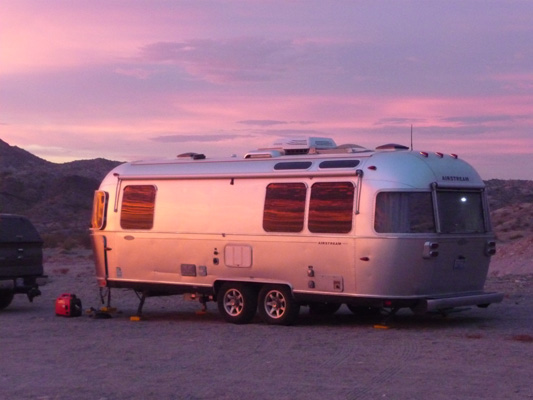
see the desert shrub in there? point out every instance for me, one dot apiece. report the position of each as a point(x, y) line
point(85, 241)
point(523, 338)
point(69, 243)
point(52, 240)
point(66, 241)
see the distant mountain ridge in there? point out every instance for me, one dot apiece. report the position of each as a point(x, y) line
point(15, 157)
point(58, 197)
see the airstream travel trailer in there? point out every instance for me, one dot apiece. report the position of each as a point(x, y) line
point(305, 222)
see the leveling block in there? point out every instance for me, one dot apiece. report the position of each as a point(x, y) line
point(202, 299)
point(98, 314)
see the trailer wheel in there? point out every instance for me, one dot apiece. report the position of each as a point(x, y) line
point(277, 306)
point(6, 297)
point(237, 303)
point(324, 308)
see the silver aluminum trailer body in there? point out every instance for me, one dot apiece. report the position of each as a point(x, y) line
point(387, 228)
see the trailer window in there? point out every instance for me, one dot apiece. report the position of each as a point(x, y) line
point(404, 212)
point(284, 207)
point(293, 165)
point(339, 164)
point(331, 207)
point(99, 210)
point(460, 212)
point(138, 204)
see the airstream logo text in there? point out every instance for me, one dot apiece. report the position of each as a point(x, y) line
point(331, 243)
point(455, 178)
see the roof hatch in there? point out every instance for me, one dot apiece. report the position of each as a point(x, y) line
point(392, 146)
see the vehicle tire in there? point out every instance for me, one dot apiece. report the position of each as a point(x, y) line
point(6, 297)
point(237, 302)
point(277, 306)
point(364, 311)
point(324, 309)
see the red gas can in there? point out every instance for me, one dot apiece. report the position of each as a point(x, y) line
point(68, 305)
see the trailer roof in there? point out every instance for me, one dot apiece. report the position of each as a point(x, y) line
point(389, 162)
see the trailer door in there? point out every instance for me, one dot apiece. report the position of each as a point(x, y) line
point(100, 251)
point(99, 239)
point(132, 249)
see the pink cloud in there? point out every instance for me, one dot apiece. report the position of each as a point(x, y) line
point(239, 59)
point(99, 77)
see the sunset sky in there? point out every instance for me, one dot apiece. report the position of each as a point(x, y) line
point(128, 80)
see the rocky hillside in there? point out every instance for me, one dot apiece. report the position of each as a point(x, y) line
point(511, 204)
point(58, 197)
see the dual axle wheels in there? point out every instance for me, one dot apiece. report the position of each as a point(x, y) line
point(238, 304)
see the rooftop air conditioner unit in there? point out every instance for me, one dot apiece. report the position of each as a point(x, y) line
point(304, 143)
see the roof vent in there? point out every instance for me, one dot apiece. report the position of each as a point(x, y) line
point(193, 156)
point(392, 146)
point(263, 154)
point(347, 148)
point(355, 147)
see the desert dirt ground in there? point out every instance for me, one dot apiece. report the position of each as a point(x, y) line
point(177, 353)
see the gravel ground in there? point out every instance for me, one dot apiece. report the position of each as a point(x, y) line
point(177, 353)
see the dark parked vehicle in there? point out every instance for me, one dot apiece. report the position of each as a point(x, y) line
point(21, 259)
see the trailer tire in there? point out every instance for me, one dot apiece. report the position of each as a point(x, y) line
point(277, 306)
point(237, 302)
point(6, 297)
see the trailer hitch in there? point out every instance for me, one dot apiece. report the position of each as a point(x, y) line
point(33, 292)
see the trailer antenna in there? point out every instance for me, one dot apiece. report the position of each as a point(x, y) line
point(411, 137)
